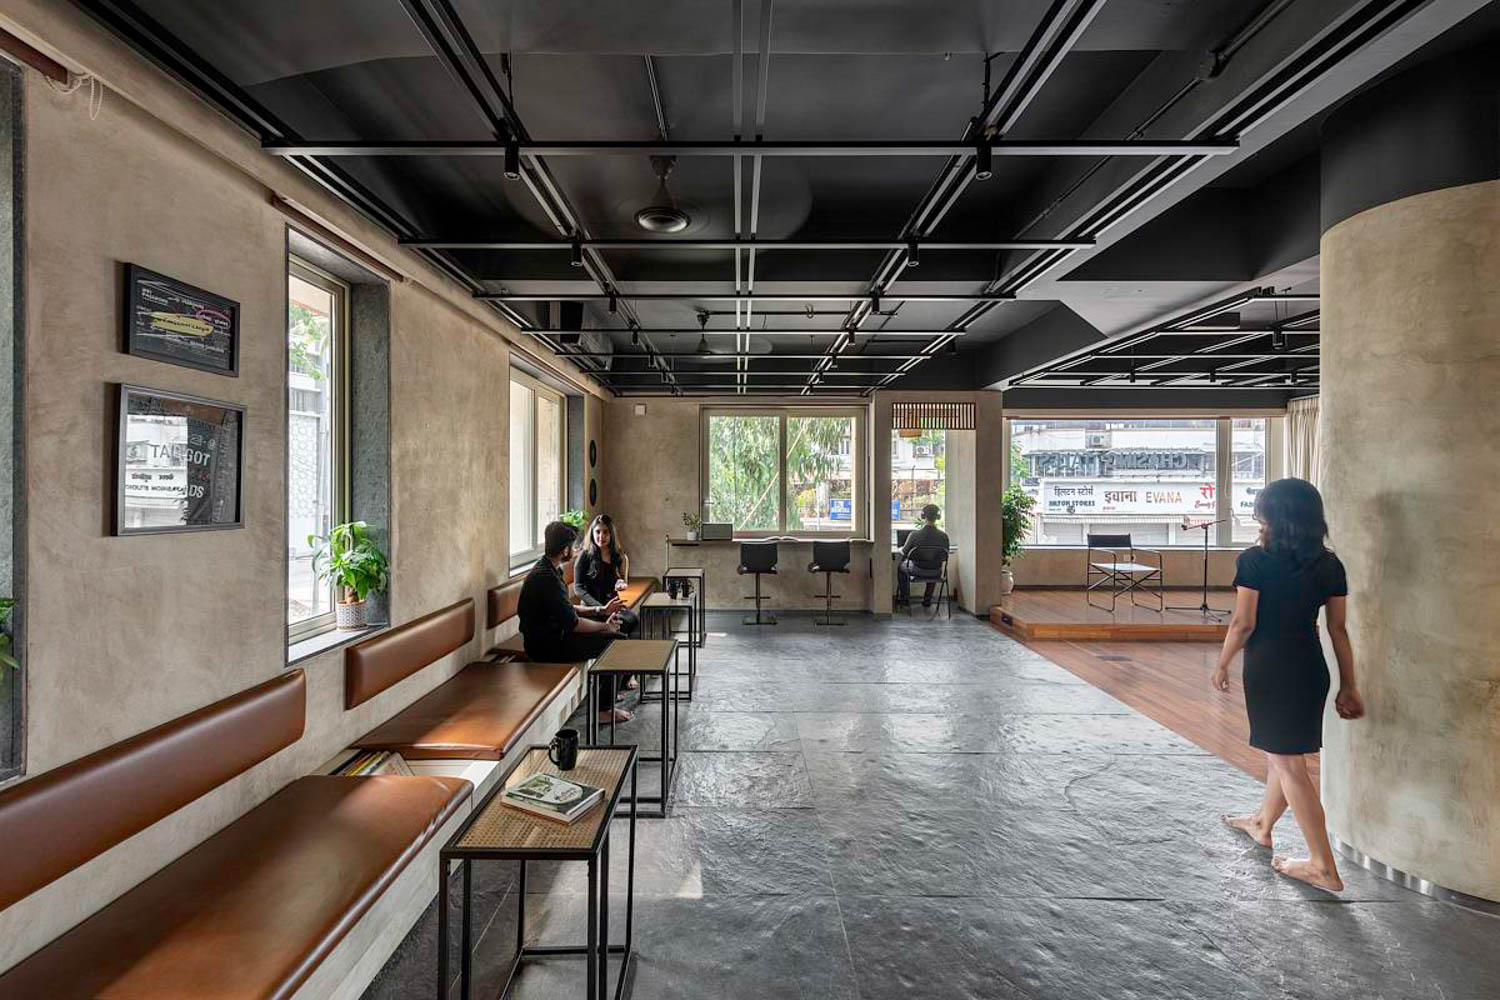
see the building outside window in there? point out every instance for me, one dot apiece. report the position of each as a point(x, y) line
point(917, 475)
point(1151, 478)
point(537, 450)
point(317, 452)
point(783, 471)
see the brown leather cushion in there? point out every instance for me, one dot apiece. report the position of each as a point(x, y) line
point(62, 818)
point(502, 603)
point(478, 715)
point(251, 911)
point(375, 664)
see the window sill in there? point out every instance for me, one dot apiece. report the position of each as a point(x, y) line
point(304, 649)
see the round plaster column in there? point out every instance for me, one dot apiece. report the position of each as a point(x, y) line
point(1410, 467)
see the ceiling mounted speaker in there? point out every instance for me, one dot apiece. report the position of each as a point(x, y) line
point(593, 454)
point(663, 215)
point(593, 492)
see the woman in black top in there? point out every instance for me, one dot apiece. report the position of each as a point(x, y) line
point(1280, 584)
point(602, 570)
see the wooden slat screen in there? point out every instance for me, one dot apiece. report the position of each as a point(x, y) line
point(932, 416)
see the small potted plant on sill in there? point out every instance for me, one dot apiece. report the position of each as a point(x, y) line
point(692, 522)
point(1015, 521)
point(575, 517)
point(349, 558)
point(7, 652)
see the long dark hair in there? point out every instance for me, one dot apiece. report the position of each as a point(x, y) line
point(1291, 511)
point(592, 547)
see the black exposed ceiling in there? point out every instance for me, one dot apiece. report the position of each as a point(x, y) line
point(555, 72)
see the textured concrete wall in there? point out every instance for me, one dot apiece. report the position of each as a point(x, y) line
point(1410, 449)
point(127, 633)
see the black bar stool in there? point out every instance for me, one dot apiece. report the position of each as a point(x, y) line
point(758, 558)
point(829, 558)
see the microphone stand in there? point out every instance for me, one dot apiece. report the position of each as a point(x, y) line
point(1203, 607)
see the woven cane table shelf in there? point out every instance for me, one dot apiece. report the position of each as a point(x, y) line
point(499, 827)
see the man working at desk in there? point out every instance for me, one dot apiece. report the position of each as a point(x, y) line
point(557, 632)
point(920, 553)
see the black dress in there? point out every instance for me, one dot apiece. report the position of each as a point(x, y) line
point(1286, 676)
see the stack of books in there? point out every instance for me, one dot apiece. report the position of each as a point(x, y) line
point(553, 797)
point(374, 762)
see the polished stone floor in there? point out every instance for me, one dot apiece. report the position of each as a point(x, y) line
point(924, 809)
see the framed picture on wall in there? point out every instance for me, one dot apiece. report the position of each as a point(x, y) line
point(179, 463)
point(172, 321)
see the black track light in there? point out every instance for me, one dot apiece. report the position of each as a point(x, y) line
point(875, 304)
point(614, 303)
point(1278, 340)
point(913, 255)
point(1132, 373)
point(1213, 376)
point(984, 162)
point(512, 159)
point(635, 337)
point(577, 260)
point(953, 346)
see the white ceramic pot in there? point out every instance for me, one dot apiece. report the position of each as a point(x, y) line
point(1007, 581)
point(350, 615)
point(692, 536)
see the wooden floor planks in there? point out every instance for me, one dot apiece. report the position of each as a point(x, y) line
point(1066, 614)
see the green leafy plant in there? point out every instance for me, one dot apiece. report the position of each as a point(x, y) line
point(691, 521)
point(575, 517)
point(7, 605)
point(1015, 521)
point(350, 559)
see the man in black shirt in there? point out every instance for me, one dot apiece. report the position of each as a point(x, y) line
point(921, 552)
point(553, 629)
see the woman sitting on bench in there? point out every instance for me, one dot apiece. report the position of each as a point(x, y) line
point(601, 572)
point(556, 632)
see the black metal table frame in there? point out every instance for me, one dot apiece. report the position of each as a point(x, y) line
point(700, 638)
point(668, 633)
point(667, 761)
point(597, 950)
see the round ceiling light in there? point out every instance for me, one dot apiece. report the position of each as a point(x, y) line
point(663, 215)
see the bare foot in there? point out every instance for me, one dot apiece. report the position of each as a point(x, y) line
point(615, 715)
point(1250, 826)
point(632, 684)
point(1307, 871)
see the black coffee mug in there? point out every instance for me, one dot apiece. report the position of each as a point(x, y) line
point(564, 749)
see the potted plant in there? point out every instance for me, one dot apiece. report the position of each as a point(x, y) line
point(349, 558)
point(575, 517)
point(692, 522)
point(7, 656)
point(1015, 521)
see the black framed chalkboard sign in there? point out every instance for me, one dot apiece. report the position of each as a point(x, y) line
point(172, 321)
point(179, 463)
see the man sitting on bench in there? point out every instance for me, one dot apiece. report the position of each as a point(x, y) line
point(553, 629)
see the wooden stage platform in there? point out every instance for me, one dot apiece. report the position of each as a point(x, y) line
point(1036, 615)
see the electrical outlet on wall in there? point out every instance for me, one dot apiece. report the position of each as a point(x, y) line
point(640, 409)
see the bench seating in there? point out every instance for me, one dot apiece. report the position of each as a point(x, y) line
point(480, 713)
point(258, 909)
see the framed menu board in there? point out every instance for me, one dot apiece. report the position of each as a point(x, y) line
point(179, 463)
point(172, 321)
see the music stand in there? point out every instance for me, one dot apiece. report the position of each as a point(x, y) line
point(1203, 608)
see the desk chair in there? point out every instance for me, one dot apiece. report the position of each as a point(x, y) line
point(1133, 574)
point(758, 558)
point(829, 558)
point(929, 563)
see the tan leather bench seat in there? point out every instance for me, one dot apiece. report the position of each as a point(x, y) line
point(251, 911)
point(479, 714)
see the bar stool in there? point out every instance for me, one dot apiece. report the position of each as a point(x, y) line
point(758, 558)
point(829, 558)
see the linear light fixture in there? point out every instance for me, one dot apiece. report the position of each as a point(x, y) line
point(760, 147)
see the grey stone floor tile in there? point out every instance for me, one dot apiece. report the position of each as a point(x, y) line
point(753, 780)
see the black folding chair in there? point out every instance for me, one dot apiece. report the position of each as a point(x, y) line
point(1128, 575)
point(929, 563)
point(829, 558)
point(758, 558)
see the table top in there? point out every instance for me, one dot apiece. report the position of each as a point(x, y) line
point(1126, 567)
point(684, 571)
point(662, 599)
point(496, 828)
point(636, 656)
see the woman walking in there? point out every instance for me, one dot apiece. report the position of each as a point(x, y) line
point(1280, 584)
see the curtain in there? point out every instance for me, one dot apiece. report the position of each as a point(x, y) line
point(1302, 439)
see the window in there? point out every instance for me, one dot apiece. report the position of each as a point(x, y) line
point(1147, 477)
point(12, 418)
point(779, 471)
point(537, 436)
point(917, 474)
point(317, 442)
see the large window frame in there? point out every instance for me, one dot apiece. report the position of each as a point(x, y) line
point(528, 509)
point(1222, 534)
point(858, 527)
point(339, 450)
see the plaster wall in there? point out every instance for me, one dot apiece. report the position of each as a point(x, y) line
point(1410, 438)
point(128, 633)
